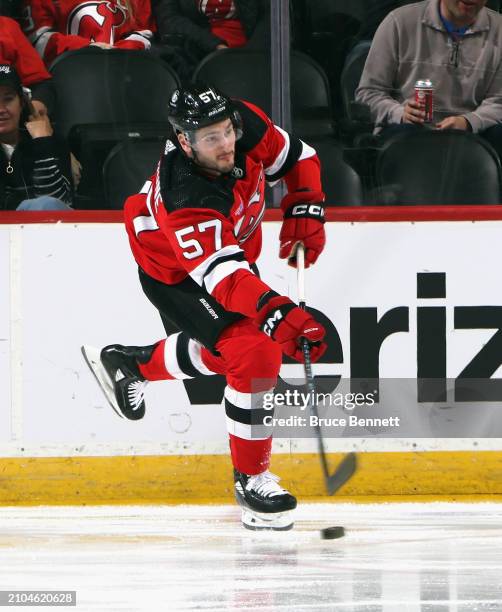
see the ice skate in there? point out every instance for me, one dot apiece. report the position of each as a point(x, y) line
point(265, 505)
point(116, 369)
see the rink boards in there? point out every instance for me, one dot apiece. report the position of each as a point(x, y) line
point(73, 282)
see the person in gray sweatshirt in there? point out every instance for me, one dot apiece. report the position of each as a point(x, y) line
point(457, 45)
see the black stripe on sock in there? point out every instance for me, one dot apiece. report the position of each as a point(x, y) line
point(253, 416)
point(183, 357)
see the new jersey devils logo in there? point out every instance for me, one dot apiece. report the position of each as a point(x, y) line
point(219, 9)
point(97, 20)
point(254, 211)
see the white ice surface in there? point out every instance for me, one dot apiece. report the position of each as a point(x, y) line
point(435, 557)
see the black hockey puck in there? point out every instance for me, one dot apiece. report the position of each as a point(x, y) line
point(332, 533)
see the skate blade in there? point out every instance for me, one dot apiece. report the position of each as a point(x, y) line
point(93, 359)
point(260, 521)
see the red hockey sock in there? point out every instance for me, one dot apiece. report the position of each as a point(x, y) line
point(179, 357)
point(250, 456)
point(155, 368)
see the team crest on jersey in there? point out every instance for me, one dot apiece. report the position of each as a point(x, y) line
point(217, 9)
point(257, 192)
point(97, 20)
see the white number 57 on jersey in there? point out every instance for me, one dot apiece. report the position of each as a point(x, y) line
point(192, 248)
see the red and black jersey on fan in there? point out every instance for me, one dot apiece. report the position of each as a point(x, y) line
point(64, 25)
point(17, 51)
point(185, 225)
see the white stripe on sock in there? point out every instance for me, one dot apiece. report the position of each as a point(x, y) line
point(194, 349)
point(248, 401)
point(241, 400)
point(240, 430)
point(170, 359)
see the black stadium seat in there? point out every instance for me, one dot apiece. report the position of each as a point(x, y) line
point(247, 74)
point(105, 96)
point(322, 15)
point(311, 111)
point(351, 75)
point(111, 86)
point(238, 73)
point(330, 29)
point(434, 167)
point(340, 182)
point(127, 167)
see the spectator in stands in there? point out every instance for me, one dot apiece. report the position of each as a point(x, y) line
point(453, 43)
point(35, 171)
point(203, 27)
point(56, 27)
point(15, 49)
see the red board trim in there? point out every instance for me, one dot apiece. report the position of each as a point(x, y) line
point(342, 214)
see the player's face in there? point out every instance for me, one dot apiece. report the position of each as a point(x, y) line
point(215, 147)
point(10, 114)
point(461, 12)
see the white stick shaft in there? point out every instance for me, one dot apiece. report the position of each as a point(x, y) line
point(300, 267)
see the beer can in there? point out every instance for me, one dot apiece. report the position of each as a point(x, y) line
point(424, 96)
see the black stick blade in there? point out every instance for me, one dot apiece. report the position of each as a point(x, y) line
point(342, 474)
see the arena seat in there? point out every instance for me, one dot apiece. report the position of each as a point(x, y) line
point(435, 167)
point(321, 15)
point(127, 167)
point(104, 97)
point(247, 74)
point(340, 182)
point(330, 29)
point(111, 87)
point(351, 75)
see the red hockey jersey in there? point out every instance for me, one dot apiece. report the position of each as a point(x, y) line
point(184, 223)
point(16, 50)
point(61, 25)
point(221, 15)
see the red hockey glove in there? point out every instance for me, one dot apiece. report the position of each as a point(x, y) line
point(303, 222)
point(286, 323)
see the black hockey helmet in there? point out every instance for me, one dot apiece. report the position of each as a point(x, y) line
point(199, 105)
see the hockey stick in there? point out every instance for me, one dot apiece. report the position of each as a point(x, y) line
point(347, 467)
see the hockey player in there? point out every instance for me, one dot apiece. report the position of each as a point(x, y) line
point(56, 27)
point(195, 232)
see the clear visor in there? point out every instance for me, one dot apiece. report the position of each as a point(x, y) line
point(213, 139)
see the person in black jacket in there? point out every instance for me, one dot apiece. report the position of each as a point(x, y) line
point(199, 28)
point(35, 168)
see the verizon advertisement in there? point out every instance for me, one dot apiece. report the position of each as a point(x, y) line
point(413, 312)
